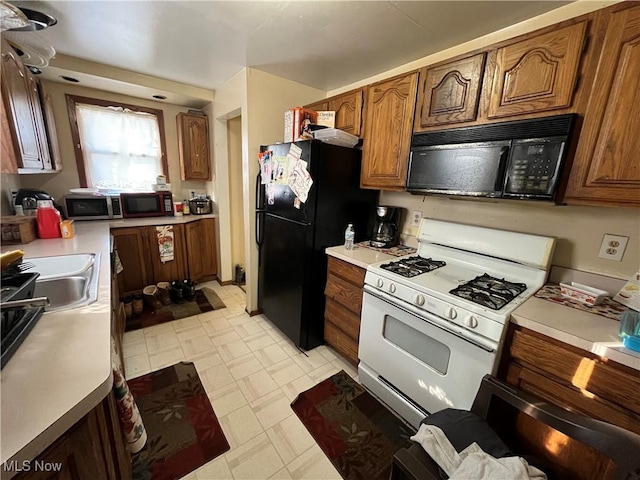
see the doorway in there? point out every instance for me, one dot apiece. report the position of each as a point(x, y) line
point(236, 200)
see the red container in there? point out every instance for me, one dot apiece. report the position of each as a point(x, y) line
point(48, 220)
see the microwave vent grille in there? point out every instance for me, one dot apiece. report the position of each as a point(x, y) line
point(559, 125)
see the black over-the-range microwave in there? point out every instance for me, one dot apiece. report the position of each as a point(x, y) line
point(519, 159)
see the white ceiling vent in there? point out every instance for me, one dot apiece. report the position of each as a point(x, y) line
point(33, 49)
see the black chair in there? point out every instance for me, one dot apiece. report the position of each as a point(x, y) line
point(505, 421)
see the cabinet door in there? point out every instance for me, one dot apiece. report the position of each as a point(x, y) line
point(133, 252)
point(17, 97)
point(606, 165)
point(175, 269)
point(210, 248)
point(194, 233)
point(387, 130)
point(348, 108)
point(202, 254)
point(38, 119)
point(538, 73)
point(449, 93)
point(51, 131)
point(193, 142)
point(8, 154)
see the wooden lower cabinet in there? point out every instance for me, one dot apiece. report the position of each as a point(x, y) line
point(92, 448)
point(343, 295)
point(195, 255)
point(578, 381)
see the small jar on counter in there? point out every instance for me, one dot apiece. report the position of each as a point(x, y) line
point(185, 207)
point(177, 209)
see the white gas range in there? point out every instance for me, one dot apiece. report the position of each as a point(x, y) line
point(433, 323)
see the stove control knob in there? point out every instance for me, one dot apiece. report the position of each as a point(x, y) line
point(471, 321)
point(451, 313)
point(392, 288)
point(379, 283)
point(418, 299)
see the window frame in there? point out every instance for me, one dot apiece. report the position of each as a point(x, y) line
point(73, 100)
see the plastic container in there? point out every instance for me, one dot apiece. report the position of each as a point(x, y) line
point(67, 229)
point(630, 330)
point(349, 237)
point(336, 137)
point(582, 293)
point(177, 209)
point(48, 220)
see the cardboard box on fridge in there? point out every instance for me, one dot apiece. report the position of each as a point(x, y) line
point(295, 124)
point(326, 118)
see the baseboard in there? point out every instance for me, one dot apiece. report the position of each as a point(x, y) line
point(227, 282)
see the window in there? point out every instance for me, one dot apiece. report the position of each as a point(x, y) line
point(118, 146)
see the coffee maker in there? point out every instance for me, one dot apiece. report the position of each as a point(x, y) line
point(386, 231)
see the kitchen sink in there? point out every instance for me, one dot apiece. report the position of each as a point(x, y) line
point(69, 281)
point(60, 265)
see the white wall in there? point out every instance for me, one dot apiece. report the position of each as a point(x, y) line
point(230, 101)
point(236, 200)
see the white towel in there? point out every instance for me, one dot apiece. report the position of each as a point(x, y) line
point(472, 462)
point(164, 235)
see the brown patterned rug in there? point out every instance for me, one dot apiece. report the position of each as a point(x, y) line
point(205, 300)
point(183, 432)
point(356, 432)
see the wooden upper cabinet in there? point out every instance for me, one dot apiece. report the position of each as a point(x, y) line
point(388, 127)
point(537, 73)
point(449, 93)
point(16, 93)
point(348, 108)
point(606, 167)
point(38, 119)
point(193, 143)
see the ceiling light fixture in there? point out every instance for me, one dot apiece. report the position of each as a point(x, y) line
point(69, 79)
point(11, 17)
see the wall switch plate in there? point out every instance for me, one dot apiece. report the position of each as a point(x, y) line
point(613, 247)
point(416, 216)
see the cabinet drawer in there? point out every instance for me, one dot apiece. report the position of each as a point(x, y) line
point(596, 407)
point(345, 293)
point(345, 319)
point(576, 368)
point(347, 271)
point(341, 342)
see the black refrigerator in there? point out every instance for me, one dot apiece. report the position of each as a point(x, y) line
point(292, 235)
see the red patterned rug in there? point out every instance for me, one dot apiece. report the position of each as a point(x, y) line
point(183, 433)
point(205, 300)
point(356, 432)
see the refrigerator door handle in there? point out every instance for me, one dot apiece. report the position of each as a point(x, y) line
point(259, 193)
point(259, 236)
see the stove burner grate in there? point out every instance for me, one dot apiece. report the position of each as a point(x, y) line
point(412, 266)
point(489, 291)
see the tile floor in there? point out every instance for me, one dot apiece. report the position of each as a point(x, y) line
point(251, 373)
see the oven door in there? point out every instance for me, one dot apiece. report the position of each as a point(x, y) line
point(416, 362)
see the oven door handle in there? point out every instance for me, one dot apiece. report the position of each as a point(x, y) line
point(486, 345)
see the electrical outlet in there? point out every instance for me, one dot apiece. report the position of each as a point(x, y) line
point(416, 216)
point(612, 247)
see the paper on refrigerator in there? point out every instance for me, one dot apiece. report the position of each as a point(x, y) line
point(300, 181)
point(264, 159)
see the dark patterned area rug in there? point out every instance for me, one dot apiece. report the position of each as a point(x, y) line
point(183, 432)
point(205, 300)
point(356, 432)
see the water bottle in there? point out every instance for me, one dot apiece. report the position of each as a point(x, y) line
point(349, 236)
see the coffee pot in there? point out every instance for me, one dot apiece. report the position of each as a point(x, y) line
point(386, 230)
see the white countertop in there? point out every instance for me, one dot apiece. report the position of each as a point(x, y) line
point(142, 222)
point(588, 331)
point(63, 368)
point(359, 256)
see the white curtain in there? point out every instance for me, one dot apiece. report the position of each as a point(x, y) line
point(121, 148)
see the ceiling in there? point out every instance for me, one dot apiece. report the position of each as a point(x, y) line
point(324, 44)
